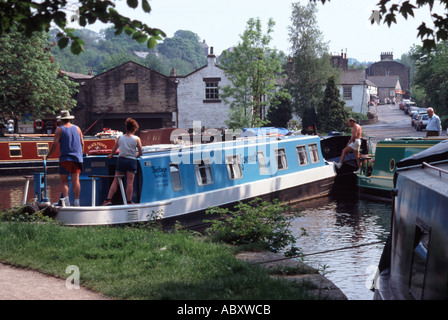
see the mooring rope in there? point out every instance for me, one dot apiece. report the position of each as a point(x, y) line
point(321, 252)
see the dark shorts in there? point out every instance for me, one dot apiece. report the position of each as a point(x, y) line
point(432, 133)
point(68, 167)
point(126, 165)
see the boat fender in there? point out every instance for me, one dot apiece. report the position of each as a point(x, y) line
point(394, 192)
point(38, 124)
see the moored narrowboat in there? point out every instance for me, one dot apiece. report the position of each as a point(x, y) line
point(414, 263)
point(176, 180)
point(25, 152)
point(375, 177)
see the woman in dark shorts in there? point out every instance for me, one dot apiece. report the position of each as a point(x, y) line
point(130, 147)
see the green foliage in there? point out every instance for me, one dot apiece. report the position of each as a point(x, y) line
point(258, 223)
point(331, 111)
point(253, 68)
point(310, 65)
point(431, 77)
point(106, 50)
point(21, 215)
point(30, 82)
point(279, 112)
point(31, 16)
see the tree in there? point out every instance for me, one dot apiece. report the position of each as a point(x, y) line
point(280, 112)
point(331, 111)
point(431, 76)
point(309, 67)
point(388, 11)
point(253, 68)
point(30, 82)
point(33, 16)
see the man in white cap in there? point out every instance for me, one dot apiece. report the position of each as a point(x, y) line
point(71, 143)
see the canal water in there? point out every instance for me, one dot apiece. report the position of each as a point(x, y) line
point(344, 240)
point(345, 237)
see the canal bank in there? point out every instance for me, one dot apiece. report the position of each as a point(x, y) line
point(24, 284)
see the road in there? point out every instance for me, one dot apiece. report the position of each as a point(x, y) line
point(392, 123)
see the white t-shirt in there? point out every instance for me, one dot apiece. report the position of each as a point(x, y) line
point(127, 146)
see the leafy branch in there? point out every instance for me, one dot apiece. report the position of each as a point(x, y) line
point(30, 16)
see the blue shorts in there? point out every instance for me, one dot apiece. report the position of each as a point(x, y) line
point(126, 165)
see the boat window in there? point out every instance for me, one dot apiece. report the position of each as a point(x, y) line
point(203, 173)
point(175, 177)
point(15, 150)
point(234, 167)
point(314, 152)
point(301, 155)
point(42, 149)
point(262, 163)
point(419, 258)
point(280, 156)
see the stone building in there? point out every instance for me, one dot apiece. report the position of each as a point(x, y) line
point(355, 89)
point(198, 96)
point(388, 67)
point(129, 90)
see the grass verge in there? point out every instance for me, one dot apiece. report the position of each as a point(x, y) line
point(141, 262)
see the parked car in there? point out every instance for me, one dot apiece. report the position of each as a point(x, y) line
point(409, 105)
point(422, 122)
point(415, 117)
point(412, 110)
point(403, 103)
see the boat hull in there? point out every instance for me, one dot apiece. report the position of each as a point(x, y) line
point(315, 183)
point(414, 263)
point(376, 175)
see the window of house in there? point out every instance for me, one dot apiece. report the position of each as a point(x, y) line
point(211, 89)
point(176, 180)
point(302, 156)
point(234, 167)
point(203, 173)
point(262, 163)
point(347, 92)
point(15, 150)
point(280, 156)
point(131, 92)
point(314, 152)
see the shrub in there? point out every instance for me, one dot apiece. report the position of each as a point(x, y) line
point(257, 223)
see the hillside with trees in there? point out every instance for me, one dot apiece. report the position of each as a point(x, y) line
point(106, 50)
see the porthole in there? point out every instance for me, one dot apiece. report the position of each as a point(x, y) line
point(392, 165)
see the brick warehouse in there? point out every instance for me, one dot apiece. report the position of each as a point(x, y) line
point(133, 91)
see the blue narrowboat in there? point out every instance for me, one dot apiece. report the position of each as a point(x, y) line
point(175, 180)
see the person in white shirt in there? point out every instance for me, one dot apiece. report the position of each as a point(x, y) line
point(130, 147)
point(434, 128)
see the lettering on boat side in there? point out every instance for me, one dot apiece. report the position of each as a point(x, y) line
point(226, 309)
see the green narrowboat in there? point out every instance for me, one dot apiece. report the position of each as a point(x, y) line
point(375, 177)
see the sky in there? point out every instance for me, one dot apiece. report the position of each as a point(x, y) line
point(345, 24)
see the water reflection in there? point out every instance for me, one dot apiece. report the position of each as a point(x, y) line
point(362, 226)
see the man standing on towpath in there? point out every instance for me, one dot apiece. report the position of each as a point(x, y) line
point(71, 143)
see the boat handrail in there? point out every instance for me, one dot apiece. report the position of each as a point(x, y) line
point(425, 164)
point(120, 182)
